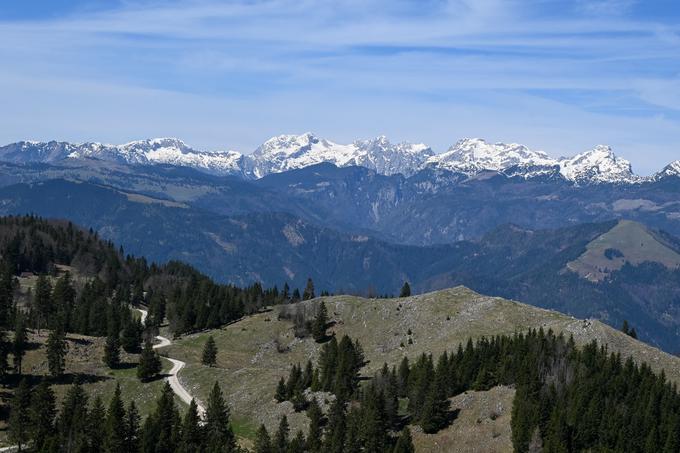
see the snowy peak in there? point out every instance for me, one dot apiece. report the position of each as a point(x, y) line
point(287, 152)
point(599, 165)
point(472, 155)
point(467, 157)
point(169, 151)
point(670, 170)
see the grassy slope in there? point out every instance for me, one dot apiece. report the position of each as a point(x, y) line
point(84, 361)
point(249, 364)
point(632, 239)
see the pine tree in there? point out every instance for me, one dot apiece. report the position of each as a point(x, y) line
point(42, 302)
point(63, 298)
point(334, 440)
point(42, 413)
point(19, 344)
point(73, 419)
point(209, 356)
point(405, 290)
point(404, 443)
point(112, 350)
point(132, 428)
point(624, 327)
point(314, 440)
point(6, 293)
point(296, 295)
point(281, 393)
point(263, 442)
point(165, 422)
point(218, 433)
point(115, 424)
point(56, 352)
point(149, 363)
point(192, 435)
point(320, 322)
point(95, 422)
point(131, 340)
point(297, 444)
point(280, 443)
point(373, 424)
point(19, 419)
point(308, 293)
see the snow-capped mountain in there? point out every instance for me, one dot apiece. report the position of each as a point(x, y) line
point(672, 169)
point(467, 157)
point(599, 165)
point(473, 155)
point(169, 151)
point(288, 152)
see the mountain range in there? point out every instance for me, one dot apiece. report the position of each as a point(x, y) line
point(288, 152)
point(584, 235)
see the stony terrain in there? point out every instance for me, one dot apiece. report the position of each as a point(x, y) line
point(256, 351)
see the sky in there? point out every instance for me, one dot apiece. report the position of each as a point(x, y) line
point(556, 75)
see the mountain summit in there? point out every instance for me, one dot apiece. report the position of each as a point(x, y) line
point(282, 153)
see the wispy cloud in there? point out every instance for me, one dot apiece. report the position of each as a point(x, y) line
point(532, 69)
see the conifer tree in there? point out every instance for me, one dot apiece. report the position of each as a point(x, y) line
point(112, 350)
point(297, 443)
point(280, 443)
point(218, 433)
point(42, 413)
point(132, 428)
point(95, 422)
point(42, 302)
point(192, 435)
point(314, 436)
point(334, 440)
point(149, 363)
point(56, 352)
point(73, 419)
point(373, 424)
point(281, 393)
point(19, 419)
point(6, 293)
point(19, 344)
point(164, 423)
point(263, 442)
point(320, 322)
point(131, 340)
point(209, 356)
point(309, 290)
point(296, 295)
point(405, 442)
point(63, 299)
point(405, 290)
point(115, 424)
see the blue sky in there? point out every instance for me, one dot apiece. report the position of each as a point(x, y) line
point(556, 75)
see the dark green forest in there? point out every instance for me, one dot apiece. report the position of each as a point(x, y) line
point(568, 399)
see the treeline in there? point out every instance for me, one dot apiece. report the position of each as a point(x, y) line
point(86, 426)
point(174, 291)
point(567, 399)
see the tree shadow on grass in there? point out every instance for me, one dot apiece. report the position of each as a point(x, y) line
point(66, 378)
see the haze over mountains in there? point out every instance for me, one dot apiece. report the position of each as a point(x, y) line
point(288, 152)
point(364, 217)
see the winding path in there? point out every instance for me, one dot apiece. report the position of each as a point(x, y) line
point(177, 366)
